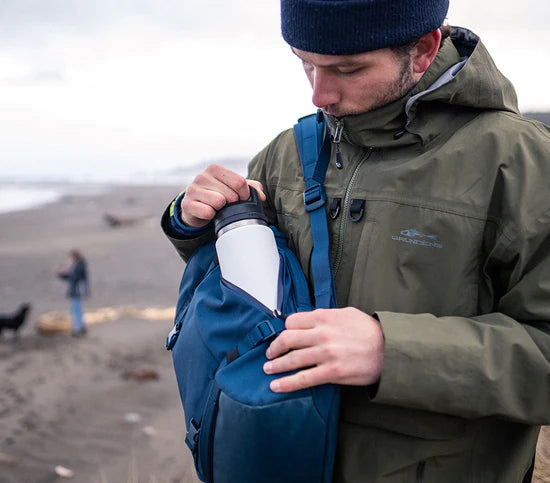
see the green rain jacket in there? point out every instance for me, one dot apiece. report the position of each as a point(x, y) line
point(442, 229)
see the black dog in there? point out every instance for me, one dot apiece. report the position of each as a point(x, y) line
point(14, 321)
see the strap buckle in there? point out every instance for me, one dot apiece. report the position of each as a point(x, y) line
point(192, 436)
point(314, 197)
point(262, 332)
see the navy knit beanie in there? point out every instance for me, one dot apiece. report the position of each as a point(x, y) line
point(346, 27)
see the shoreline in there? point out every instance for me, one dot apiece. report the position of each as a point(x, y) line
point(14, 193)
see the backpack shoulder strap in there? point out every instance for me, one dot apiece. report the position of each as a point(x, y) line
point(314, 149)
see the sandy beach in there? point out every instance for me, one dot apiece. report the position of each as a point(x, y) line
point(105, 406)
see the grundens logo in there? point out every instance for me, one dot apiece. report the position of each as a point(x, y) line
point(413, 237)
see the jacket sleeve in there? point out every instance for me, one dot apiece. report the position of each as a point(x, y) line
point(184, 244)
point(494, 364)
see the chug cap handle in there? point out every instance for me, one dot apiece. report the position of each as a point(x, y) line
point(240, 210)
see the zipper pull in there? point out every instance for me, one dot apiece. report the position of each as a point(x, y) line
point(336, 138)
point(278, 315)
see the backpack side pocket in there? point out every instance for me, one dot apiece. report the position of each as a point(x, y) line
point(285, 433)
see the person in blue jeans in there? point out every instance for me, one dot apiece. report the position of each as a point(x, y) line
point(77, 278)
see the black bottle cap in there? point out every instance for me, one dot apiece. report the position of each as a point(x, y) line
point(240, 210)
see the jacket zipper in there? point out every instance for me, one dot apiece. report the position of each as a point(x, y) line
point(345, 209)
point(336, 139)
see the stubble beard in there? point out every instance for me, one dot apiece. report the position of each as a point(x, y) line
point(396, 90)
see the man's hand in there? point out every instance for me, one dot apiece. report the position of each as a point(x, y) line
point(340, 346)
point(212, 190)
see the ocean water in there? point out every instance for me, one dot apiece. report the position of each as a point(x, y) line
point(21, 195)
point(24, 192)
point(15, 197)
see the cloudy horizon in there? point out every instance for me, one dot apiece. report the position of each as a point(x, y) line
point(96, 86)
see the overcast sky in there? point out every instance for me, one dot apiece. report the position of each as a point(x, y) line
point(98, 87)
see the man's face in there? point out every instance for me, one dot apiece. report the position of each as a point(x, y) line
point(354, 84)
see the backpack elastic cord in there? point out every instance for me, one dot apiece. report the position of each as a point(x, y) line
point(315, 156)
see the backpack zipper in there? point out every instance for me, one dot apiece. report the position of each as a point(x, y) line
point(249, 298)
point(345, 209)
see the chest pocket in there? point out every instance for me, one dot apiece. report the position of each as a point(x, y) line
point(414, 259)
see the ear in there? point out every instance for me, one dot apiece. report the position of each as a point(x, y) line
point(425, 51)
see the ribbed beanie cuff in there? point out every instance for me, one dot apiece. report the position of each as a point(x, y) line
point(346, 27)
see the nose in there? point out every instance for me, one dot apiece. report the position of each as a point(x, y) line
point(325, 91)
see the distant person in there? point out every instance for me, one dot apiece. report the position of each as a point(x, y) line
point(77, 278)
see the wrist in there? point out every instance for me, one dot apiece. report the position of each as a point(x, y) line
point(178, 224)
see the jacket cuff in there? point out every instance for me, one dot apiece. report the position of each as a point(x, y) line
point(176, 228)
point(401, 348)
point(372, 389)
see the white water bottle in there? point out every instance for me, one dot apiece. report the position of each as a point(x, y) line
point(247, 251)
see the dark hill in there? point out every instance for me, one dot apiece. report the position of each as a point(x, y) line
point(539, 116)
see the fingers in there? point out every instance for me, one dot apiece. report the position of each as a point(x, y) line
point(297, 334)
point(211, 190)
point(339, 346)
point(300, 346)
point(314, 376)
point(233, 184)
point(315, 359)
point(290, 341)
point(296, 359)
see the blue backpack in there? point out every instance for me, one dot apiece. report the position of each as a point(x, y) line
point(238, 430)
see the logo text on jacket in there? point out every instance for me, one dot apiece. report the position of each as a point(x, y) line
point(414, 237)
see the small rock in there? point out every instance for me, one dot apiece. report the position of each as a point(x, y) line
point(141, 375)
point(63, 472)
point(132, 417)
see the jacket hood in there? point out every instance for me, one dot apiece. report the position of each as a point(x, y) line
point(462, 75)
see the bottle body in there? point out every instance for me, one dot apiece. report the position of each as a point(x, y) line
point(248, 258)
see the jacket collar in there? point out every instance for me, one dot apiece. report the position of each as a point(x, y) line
point(393, 125)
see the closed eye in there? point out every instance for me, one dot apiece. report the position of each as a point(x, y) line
point(349, 71)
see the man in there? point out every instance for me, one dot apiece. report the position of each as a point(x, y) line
point(440, 224)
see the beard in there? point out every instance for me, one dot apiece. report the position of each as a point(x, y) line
point(393, 91)
point(398, 89)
